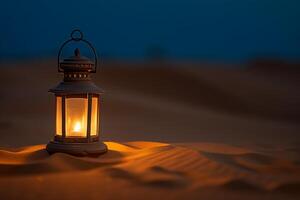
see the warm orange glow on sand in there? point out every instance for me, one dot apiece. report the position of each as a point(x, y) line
point(159, 169)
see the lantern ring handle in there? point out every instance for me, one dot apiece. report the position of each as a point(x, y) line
point(77, 39)
point(73, 35)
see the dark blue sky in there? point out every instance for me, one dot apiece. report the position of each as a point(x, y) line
point(218, 30)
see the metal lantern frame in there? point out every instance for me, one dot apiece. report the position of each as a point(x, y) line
point(77, 84)
point(75, 139)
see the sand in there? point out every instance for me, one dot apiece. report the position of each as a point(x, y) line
point(177, 131)
point(151, 170)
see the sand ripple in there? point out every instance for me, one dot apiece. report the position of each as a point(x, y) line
point(159, 165)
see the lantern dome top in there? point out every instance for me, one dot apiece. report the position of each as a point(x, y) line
point(77, 63)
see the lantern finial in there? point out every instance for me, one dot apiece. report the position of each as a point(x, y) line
point(77, 52)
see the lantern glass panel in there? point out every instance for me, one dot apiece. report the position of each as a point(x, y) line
point(94, 117)
point(58, 115)
point(76, 117)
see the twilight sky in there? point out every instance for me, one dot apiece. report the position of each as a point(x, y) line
point(212, 30)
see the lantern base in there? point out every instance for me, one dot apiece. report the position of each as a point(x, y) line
point(77, 149)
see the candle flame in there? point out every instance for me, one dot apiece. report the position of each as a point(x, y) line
point(77, 127)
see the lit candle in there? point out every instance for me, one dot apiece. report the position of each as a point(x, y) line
point(77, 127)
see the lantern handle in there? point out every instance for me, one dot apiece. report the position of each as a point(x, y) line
point(77, 39)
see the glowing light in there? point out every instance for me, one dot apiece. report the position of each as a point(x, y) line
point(76, 117)
point(77, 127)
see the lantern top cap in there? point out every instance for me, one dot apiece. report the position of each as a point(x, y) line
point(77, 63)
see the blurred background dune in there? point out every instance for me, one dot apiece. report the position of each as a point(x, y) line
point(162, 101)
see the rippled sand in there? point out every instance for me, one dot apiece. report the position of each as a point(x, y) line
point(151, 170)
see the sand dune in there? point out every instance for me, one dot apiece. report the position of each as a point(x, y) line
point(149, 169)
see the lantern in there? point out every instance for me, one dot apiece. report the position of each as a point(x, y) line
point(78, 105)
